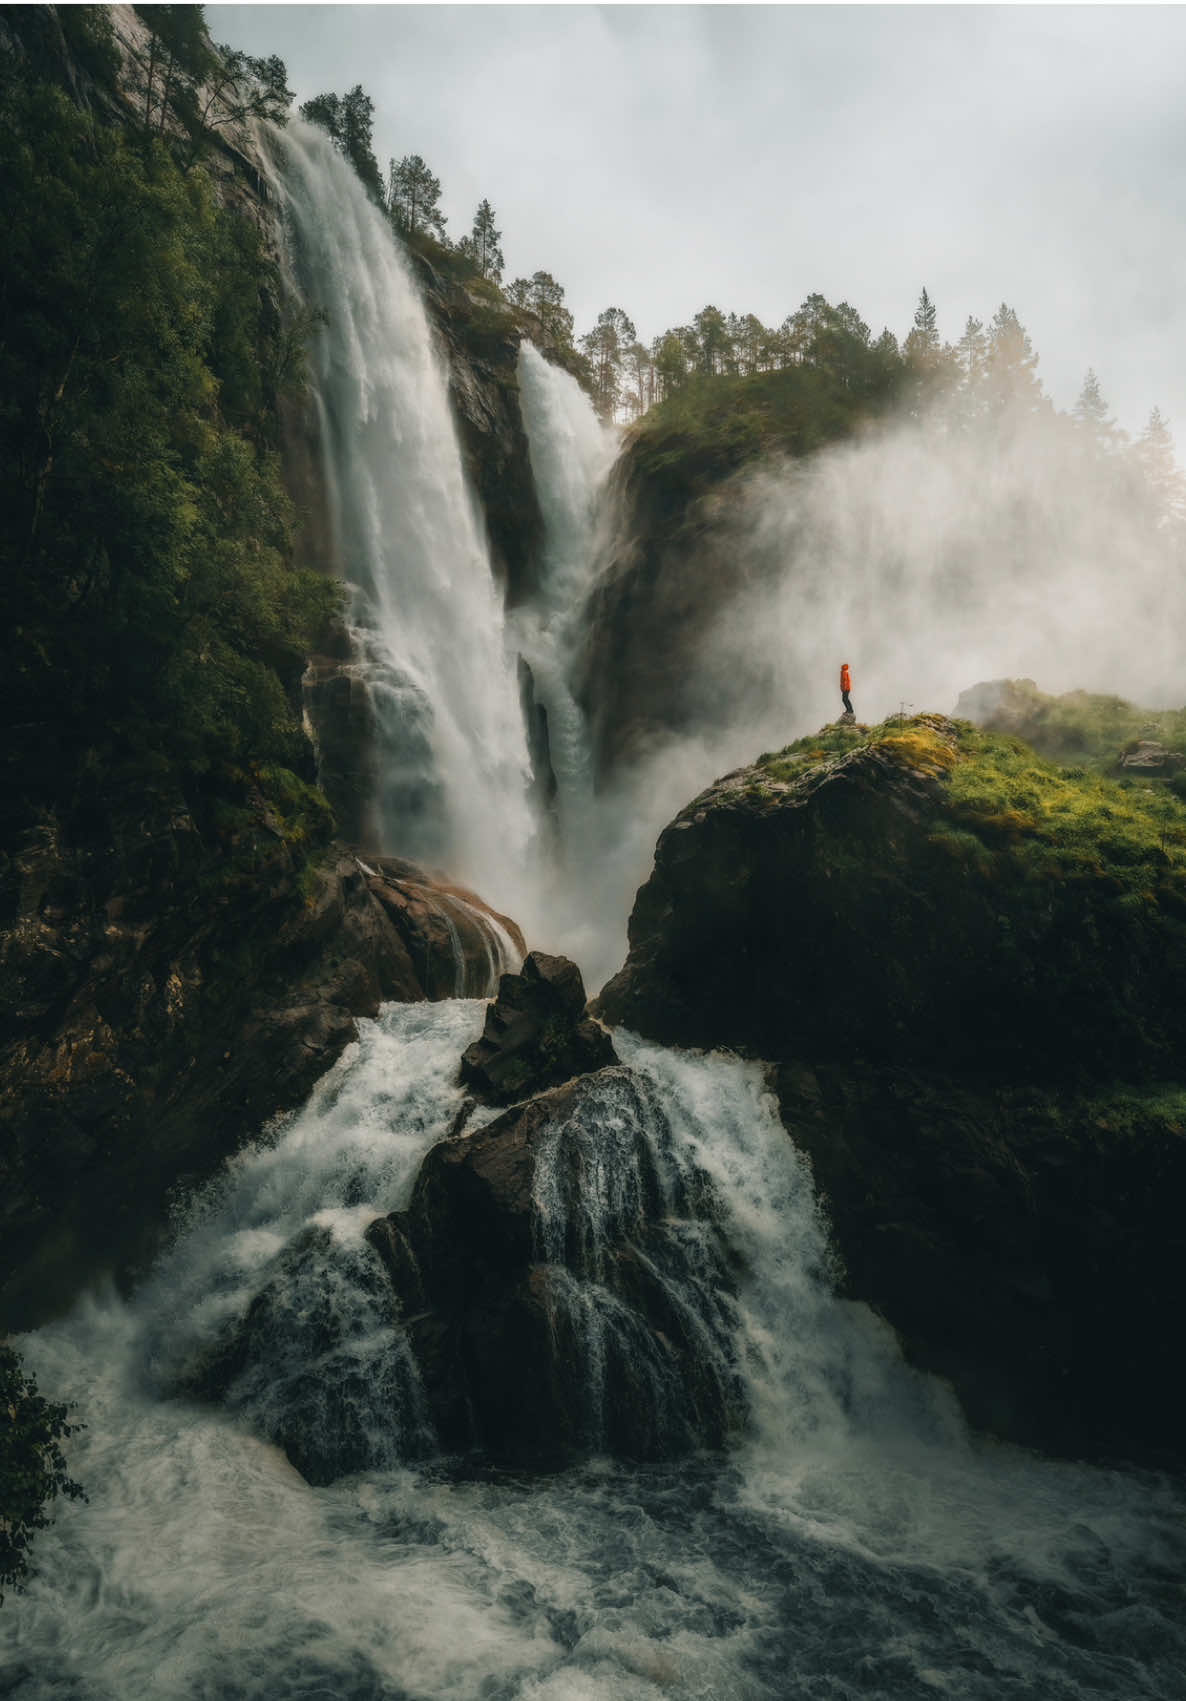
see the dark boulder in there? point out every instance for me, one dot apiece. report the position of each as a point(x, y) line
point(318, 1365)
point(536, 1035)
point(566, 1287)
point(906, 895)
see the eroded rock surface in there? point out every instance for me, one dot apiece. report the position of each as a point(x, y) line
point(145, 1030)
point(536, 1035)
point(564, 1284)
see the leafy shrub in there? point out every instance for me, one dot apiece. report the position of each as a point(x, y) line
point(32, 1466)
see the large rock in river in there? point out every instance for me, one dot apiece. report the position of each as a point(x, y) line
point(969, 966)
point(536, 1034)
point(564, 1283)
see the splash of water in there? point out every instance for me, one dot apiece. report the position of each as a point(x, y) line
point(859, 1541)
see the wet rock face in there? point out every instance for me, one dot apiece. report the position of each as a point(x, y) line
point(565, 1286)
point(319, 1366)
point(650, 622)
point(536, 1035)
point(1151, 756)
point(144, 1034)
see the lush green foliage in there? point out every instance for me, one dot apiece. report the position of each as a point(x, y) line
point(712, 426)
point(1082, 726)
point(153, 625)
point(32, 1466)
point(1015, 814)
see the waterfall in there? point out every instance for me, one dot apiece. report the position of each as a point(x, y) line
point(859, 1542)
point(424, 611)
point(600, 849)
point(571, 454)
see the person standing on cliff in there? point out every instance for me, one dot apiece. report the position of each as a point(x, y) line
point(846, 687)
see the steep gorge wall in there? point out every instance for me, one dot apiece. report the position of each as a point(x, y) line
point(181, 958)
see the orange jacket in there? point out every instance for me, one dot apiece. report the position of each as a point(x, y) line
point(845, 678)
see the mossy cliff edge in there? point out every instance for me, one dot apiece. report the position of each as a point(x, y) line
point(968, 967)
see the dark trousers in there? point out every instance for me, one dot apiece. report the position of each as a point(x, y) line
point(847, 703)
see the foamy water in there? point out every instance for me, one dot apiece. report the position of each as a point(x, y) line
point(856, 1541)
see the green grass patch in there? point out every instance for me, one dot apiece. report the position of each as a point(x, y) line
point(1011, 813)
point(1083, 728)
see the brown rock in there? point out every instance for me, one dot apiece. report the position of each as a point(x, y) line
point(536, 1034)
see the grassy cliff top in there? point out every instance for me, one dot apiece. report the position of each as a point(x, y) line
point(923, 891)
point(1083, 726)
point(1001, 803)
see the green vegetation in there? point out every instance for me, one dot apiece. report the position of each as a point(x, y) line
point(32, 1466)
point(154, 628)
point(1017, 816)
point(712, 427)
point(1079, 726)
point(1062, 824)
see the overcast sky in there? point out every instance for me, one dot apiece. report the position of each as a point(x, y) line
point(658, 158)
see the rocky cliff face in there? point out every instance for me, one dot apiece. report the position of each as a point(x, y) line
point(968, 968)
point(641, 677)
point(163, 997)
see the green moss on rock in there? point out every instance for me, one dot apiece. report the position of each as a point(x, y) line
point(921, 889)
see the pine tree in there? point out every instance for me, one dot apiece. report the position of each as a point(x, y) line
point(972, 353)
point(1090, 413)
point(481, 245)
point(712, 331)
point(413, 196)
point(670, 362)
point(922, 346)
point(606, 346)
point(641, 373)
point(346, 119)
point(1163, 480)
point(358, 110)
point(546, 299)
point(180, 58)
point(325, 110)
point(1011, 378)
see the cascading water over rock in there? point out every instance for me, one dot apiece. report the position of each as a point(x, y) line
point(571, 455)
point(428, 635)
point(856, 1543)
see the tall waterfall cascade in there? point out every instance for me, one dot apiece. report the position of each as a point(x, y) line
point(427, 624)
point(571, 456)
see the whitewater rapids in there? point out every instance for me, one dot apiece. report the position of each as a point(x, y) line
point(857, 1543)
